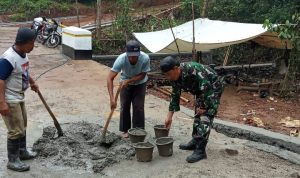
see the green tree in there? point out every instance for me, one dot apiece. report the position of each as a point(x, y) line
point(186, 9)
point(252, 11)
point(124, 21)
point(290, 30)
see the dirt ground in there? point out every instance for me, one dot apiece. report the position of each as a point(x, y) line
point(76, 92)
point(241, 107)
point(108, 15)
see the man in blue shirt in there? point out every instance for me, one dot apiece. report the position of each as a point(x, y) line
point(133, 65)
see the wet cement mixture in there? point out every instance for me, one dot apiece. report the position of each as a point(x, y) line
point(82, 147)
point(160, 127)
point(144, 145)
point(164, 140)
point(138, 132)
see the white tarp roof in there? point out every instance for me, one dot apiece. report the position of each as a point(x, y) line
point(209, 34)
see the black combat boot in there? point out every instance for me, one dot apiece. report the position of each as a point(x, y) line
point(199, 153)
point(14, 162)
point(25, 154)
point(191, 145)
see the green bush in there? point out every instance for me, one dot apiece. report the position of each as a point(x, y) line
point(18, 17)
point(64, 6)
point(252, 11)
point(108, 46)
point(31, 8)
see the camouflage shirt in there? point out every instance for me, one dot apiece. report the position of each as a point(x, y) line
point(201, 81)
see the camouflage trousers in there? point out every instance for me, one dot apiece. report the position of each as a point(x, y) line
point(203, 122)
point(202, 127)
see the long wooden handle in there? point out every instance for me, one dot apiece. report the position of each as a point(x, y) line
point(107, 123)
point(110, 114)
point(56, 124)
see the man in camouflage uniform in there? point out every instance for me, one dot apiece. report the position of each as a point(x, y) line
point(203, 82)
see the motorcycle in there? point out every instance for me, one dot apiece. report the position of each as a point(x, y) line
point(49, 34)
point(54, 37)
point(37, 23)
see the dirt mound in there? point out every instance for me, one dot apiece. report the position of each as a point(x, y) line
point(81, 147)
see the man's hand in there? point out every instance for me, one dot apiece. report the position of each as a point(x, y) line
point(200, 111)
point(4, 109)
point(125, 83)
point(34, 87)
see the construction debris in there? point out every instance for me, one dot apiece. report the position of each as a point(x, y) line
point(169, 93)
point(289, 122)
point(294, 133)
point(255, 121)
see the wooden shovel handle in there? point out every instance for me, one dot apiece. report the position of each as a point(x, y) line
point(56, 124)
point(111, 113)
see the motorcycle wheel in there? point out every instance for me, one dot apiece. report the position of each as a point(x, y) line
point(39, 37)
point(53, 41)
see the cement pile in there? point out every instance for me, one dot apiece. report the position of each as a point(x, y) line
point(81, 147)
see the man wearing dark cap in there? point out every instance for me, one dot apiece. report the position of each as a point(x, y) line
point(133, 65)
point(203, 82)
point(14, 80)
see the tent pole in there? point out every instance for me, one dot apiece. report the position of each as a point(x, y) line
point(194, 49)
point(174, 37)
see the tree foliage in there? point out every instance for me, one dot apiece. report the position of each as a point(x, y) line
point(124, 25)
point(290, 30)
point(252, 11)
point(244, 11)
point(27, 9)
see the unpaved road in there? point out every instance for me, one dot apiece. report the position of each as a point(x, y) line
point(77, 92)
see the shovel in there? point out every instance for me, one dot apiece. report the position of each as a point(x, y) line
point(103, 139)
point(57, 126)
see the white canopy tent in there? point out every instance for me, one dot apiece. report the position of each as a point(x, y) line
point(209, 34)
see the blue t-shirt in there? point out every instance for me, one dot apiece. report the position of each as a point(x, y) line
point(128, 71)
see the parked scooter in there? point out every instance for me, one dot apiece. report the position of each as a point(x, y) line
point(54, 37)
point(41, 33)
point(49, 34)
point(37, 23)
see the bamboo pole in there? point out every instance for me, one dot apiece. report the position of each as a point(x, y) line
point(181, 97)
point(98, 21)
point(77, 12)
point(194, 48)
point(227, 56)
point(203, 12)
point(169, 93)
point(174, 37)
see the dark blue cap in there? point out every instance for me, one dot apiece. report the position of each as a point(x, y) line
point(133, 48)
point(168, 63)
point(24, 35)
